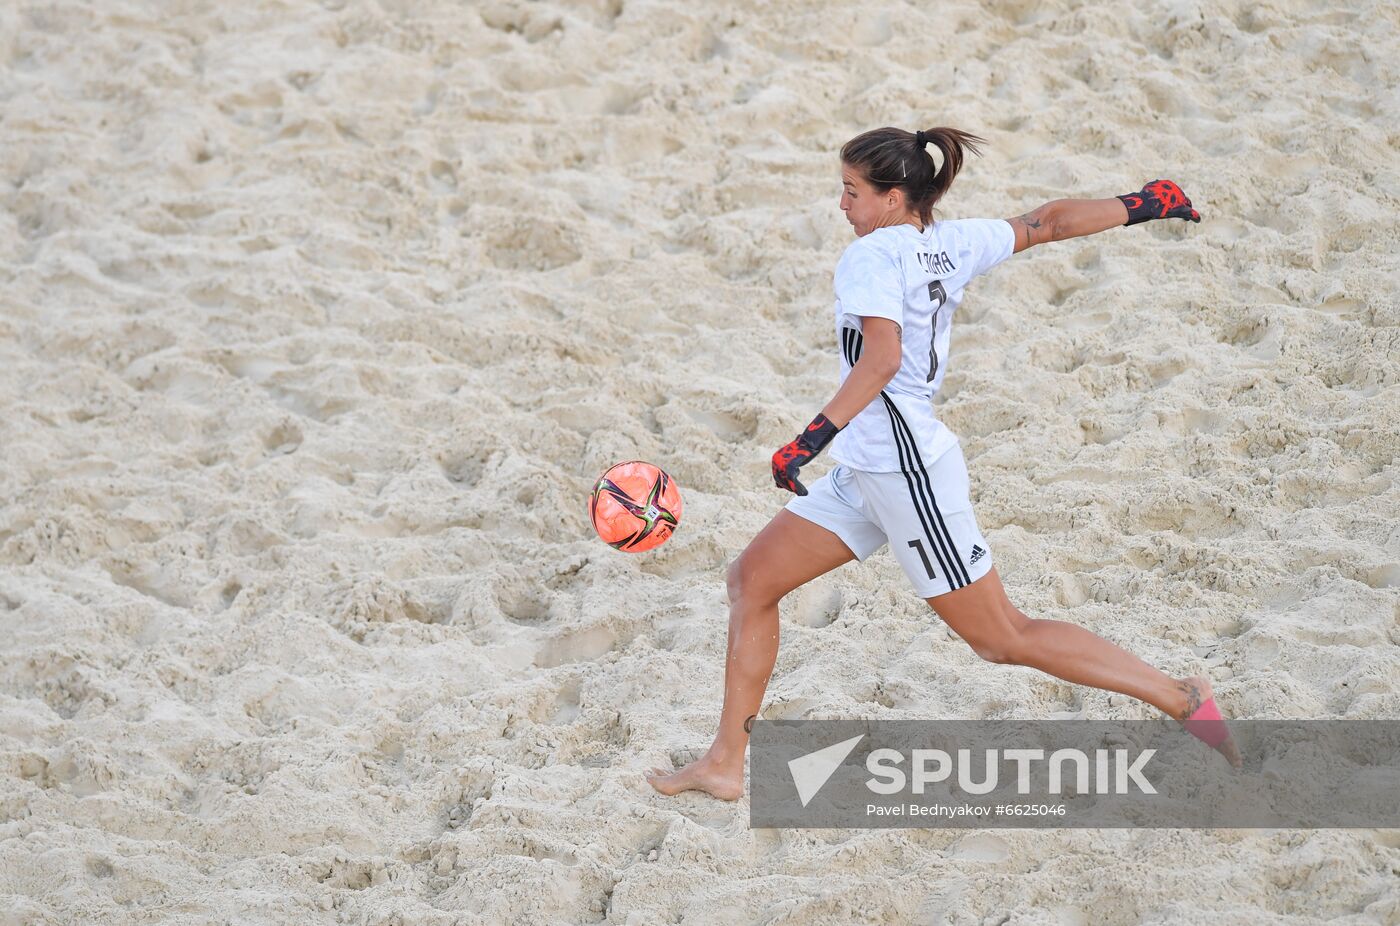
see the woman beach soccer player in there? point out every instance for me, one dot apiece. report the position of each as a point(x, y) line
point(901, 477)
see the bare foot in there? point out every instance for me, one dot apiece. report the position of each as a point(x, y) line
point(1197, 691)
point(704, 774)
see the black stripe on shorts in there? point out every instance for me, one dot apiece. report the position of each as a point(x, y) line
point(921, 491)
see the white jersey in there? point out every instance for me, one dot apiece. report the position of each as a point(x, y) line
point(915, 278)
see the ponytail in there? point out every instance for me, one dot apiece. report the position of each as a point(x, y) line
point(891, 157)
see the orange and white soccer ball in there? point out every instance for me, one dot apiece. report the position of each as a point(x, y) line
point(635, 506)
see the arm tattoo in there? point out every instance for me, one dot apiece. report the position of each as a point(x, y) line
point(1030, 221)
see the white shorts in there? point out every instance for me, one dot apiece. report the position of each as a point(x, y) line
point(925, 516)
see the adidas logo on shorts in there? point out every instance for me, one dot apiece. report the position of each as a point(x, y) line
point(977, 553)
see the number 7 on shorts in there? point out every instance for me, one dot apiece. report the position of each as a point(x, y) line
point(928, 567)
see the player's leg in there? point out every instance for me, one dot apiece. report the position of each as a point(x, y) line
point(788, 553)
point(933, 533)
point(998, 631)
point(984, 617)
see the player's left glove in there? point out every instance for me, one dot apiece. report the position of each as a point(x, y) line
point(798, 452)
point(1160, 199)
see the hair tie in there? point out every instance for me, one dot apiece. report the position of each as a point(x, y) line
point(920, 138)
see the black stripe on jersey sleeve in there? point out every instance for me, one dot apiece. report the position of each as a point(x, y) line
point(851, 342)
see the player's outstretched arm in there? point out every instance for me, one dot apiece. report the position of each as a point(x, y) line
point(1074, 218)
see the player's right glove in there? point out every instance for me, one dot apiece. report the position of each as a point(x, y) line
point(797, 452)
point(1160, 199)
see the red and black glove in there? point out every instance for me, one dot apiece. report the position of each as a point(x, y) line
point(798, 452)
point(1160, 199)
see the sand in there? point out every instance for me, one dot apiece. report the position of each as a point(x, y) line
point(318, 321)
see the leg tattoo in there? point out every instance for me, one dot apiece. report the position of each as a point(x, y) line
point(1193, 698)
